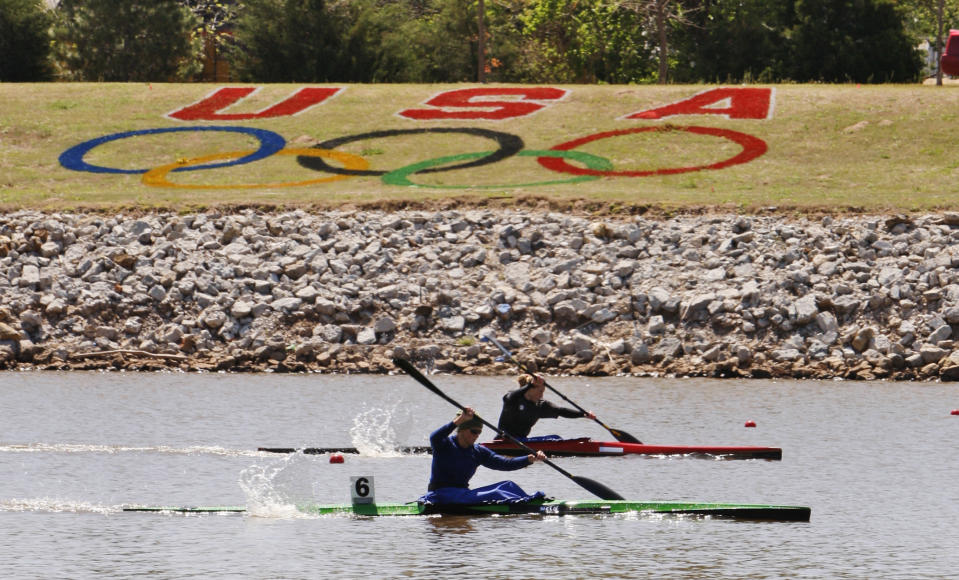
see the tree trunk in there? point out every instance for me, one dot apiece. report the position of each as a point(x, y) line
point(939, 44)
point(663, 44)
point(481, 42)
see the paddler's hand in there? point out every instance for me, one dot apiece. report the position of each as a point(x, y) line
point(467, 414)
point(590, 415)
point(539, 456)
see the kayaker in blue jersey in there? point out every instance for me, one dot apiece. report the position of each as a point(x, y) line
point(525, 406)
point(456, 457)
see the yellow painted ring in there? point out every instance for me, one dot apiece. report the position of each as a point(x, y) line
point(157, 177)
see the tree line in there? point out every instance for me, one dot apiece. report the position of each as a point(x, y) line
point(438, 41)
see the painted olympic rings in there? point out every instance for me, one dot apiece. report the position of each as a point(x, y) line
point(556, 158)
point(753, 147)
point(157, 177)
point(594, 162)
point(509, 145)
point(270, 143)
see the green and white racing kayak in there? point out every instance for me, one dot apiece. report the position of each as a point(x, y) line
point(542, 508)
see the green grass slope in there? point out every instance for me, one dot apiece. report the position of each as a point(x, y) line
point(872, 148)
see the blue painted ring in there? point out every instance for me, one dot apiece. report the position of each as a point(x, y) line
point(270, 143)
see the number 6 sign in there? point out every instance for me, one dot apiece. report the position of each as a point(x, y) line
point(361, 489)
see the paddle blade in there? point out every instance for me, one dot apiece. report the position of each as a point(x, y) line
point(412, 371)
point(623, 436)
point(409, 369)
point(596, 488)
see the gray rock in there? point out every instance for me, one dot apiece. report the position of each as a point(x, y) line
point(656, 325)
point(214, 318)
point(241, 309)
point(328, 333)
point(940, 334)
point(805, 310)
point(931, 353)
point(827, 322)
point(30, 276)
point(640, 354)
point(453, 323)
point(786, 355)
point(288, 304)
point(658, 297)
point(383, 325)
point(366, 336)
point(668, 348)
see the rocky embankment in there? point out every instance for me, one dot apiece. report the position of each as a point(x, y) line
point(859, 297)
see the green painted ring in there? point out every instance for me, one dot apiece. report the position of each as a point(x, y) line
point(594, 162)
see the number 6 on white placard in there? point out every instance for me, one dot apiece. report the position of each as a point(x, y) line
point(361, 489)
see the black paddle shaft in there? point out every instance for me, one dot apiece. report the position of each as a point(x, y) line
point(596, 488)
point(619, 434)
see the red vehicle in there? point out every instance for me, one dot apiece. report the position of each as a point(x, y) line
point(950, 58)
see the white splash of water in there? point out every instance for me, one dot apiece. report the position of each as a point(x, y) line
point(113, 449)
point(274, 490)
point(378, 431)
point(53, 505)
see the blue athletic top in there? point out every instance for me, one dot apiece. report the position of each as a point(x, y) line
point(454, 466)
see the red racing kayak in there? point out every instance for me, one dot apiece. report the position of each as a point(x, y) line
point(582, 447)
point(586, 447)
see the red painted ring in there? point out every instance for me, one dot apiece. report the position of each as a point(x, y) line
point(753, 147)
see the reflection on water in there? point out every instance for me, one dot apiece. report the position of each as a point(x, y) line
point(443, 526)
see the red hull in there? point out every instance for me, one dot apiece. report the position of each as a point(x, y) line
point(586, 447)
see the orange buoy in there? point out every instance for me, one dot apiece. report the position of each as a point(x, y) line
point(750, 423)
point(336, 458)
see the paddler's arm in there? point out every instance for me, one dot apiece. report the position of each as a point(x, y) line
point(550, 410)
point(493, 460)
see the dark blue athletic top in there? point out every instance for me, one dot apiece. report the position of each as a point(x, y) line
point(454, 466)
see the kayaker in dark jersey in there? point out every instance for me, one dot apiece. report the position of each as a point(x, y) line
point(456, 457)
point(525, 406)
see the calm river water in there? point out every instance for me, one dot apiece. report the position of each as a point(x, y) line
point(876, 462)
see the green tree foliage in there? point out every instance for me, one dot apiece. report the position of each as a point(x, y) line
point(661, 21)
point(799, 40)
point(367, 40)
point(24, 41)
point(735, 40)
point(216, 21)
point(536, 41)
point(446, 43)
point(379, 43)
point(130, 40)
point(922, 22)
point(921, 17)
point(585, 42)
point(292, 41)
point(851, 41)
point(216, 17)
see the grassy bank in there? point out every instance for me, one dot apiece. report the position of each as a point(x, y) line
point(874, 148)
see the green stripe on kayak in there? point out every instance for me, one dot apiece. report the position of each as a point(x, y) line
point(553, 507)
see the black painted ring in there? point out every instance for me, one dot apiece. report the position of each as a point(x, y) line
point(509, 145)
